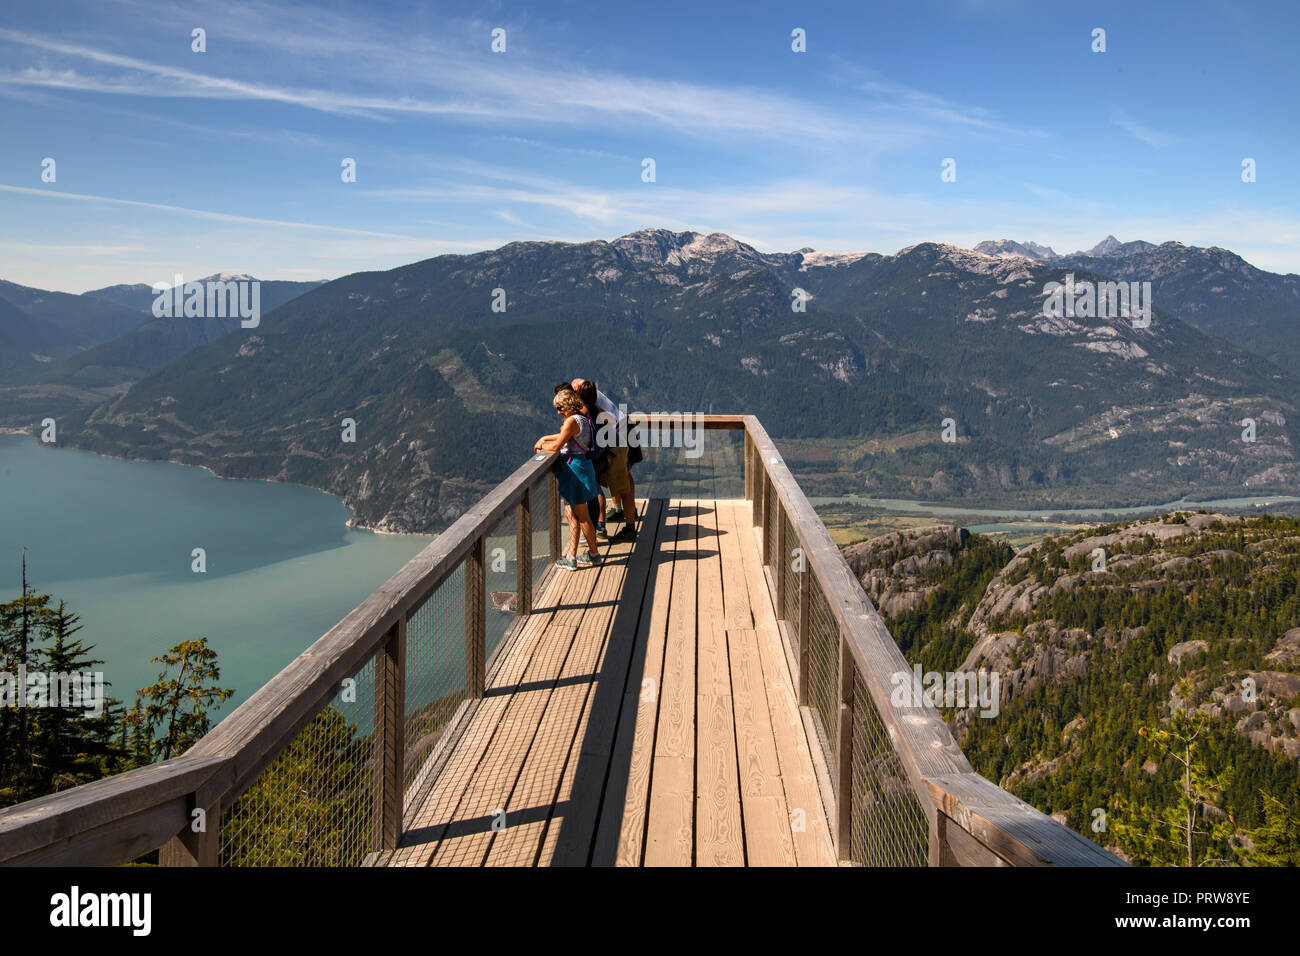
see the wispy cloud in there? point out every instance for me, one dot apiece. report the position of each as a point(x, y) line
point(198, 213)
point(1146, 134)
point(71, 248)
point(446, 82)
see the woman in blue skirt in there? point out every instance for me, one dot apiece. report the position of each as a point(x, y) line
point(577, 478)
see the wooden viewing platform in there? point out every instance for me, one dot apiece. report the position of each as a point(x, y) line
point(645, 714)
point(720, 693)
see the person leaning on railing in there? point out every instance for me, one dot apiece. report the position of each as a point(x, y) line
point(575, 474)
point(614, 473)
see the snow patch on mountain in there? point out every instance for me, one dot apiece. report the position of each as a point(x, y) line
point(1010, 247)
point(828, 259)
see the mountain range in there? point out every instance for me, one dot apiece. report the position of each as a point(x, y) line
point(1211, 288)
point(1108, 247)
point(61, 353)
point(853, 361)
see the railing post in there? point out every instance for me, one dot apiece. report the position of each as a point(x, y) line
point(805, 600)
point(190, 848)
point(844, 757)
point(524, 555)
point(475, 622)
point(554, 505)
point(760, 489)
point(938, 844)
point(390, 737)
point(749, 467)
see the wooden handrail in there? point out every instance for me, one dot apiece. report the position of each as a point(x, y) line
point(113, 820)
point(947, 787)
point(1005, 829)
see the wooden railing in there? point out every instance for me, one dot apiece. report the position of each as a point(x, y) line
point(178, 804)
point(898, 787)
point(290, 776)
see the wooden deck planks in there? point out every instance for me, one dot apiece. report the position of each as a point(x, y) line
point(483, 806)
point(546, 777)
point(719, 839)
point(571, 834)
point(432, 818)
point(620, 837)
point(809, 826)
point(768, 834)
point(542, 716)
point(644, 716)
point(484, 756)
point(670, 828)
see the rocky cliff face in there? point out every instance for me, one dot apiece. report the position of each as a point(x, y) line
point(1065, 607)
point(899, 570)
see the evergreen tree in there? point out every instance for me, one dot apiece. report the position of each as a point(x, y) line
point(178, 706)
point(23, 623)
point(1193, 830)
point(1277, 841)
point(70, 745)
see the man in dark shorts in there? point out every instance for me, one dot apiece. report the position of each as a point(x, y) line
point(613, 472)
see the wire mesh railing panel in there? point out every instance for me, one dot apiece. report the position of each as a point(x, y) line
point(435, 670)
point(540, 502)
point(888, 825)
point(725, 457)
point(501, 580)
point(662, 473)
point(789, 579)
point(793, 568)
point(312, 805)
point(691, 463)
point(823, 658)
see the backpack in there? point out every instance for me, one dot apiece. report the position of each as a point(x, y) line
point(595, 453)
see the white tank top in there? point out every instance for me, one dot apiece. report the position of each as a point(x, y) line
point(581, 442)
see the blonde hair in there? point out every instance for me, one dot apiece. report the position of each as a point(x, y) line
point(568, 401)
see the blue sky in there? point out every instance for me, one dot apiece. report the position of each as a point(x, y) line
point(173, 161)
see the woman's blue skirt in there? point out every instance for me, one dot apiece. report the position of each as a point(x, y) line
point(577, 480)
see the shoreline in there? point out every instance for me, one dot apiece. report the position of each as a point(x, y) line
point(349, 523)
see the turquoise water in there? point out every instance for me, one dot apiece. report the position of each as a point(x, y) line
point(114, 540)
